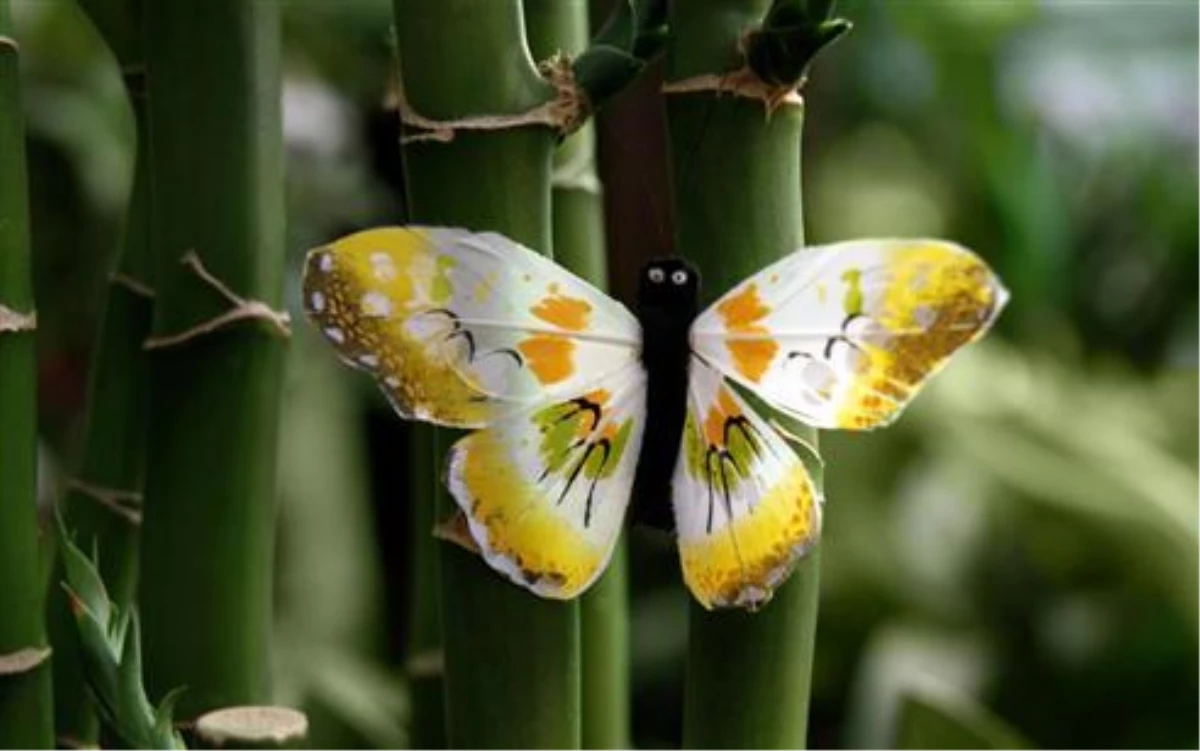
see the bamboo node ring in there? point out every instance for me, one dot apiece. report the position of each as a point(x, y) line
point(23, 660)
point(13, 322)
point(565, 113)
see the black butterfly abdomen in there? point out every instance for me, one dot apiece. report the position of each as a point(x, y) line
point(665, 352)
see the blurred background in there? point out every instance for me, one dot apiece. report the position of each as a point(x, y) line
point(1022, 545)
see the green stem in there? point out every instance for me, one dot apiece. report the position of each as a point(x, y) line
point(113, 452)
point(425, 656)
point(578, 226)
point(215, 173)
point(26, 708)
point(512, 660)
point(736, 180)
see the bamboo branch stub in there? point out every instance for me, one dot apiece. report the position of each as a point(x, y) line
point(251, 727)
point(9, 42)
point(124, 503)
point(427, 664)
point(130, 283)
point(13, 322)
point(23, 660)
point(565, 113)
point(243, 310)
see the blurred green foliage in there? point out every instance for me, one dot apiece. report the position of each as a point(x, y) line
point(1025, 537)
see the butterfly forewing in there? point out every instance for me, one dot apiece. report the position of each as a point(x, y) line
point(843, 336)
point(746, 508)
point(545, 489)
point(460, 327)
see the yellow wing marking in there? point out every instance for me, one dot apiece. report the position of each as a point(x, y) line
point(745, 562)
point(944, 295)
point(359, 291)
point(742, 314)
point(520, 525)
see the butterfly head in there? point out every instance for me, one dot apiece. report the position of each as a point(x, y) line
point(669, 282)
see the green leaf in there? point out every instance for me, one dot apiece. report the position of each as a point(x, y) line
point(943, 719)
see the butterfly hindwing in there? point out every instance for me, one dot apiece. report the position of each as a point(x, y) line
point(843, 336)
point(746, 509)
point(460, 327)
point(545, 489)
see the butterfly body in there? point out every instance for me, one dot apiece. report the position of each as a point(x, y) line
point(579, 408)
point(668, 300)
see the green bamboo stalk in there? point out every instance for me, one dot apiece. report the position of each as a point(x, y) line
point(215, 174)
point(425, 668)
point(561, 26)
point(113, 446)
point(26, 706)
point(511, 660)
point(736, 180)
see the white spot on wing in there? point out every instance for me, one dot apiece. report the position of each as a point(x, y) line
point(317, 301)
point(325, 262)
point(382, 266)
point(336, 334)
point(370, 361)
point(376, 304)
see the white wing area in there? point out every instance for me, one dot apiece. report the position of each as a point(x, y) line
point(460, 327)
point(545, 490)
point(843, 336)
point(746, 509)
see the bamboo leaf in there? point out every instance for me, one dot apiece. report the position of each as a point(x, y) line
point(941, 719)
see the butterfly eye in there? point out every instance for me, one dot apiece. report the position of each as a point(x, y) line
point(656, 275)
point(679, 277)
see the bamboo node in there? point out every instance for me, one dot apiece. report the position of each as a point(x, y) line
point(742, 82)
point(134, 285)
point(565, 113)
point(124, 503)
point(23, 660)
point(12, 322)
point(428, 664)
point(7, 41)
point(243, 310)
point(240, 727)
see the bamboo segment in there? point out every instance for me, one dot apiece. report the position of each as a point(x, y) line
point(736, 180)
point(511, 659)
point(103, 500)
point(217, 241)
point(26, 712)
point(561, 26)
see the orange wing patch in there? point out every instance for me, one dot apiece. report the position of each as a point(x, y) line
point(742, 314)
point(565, 312)
point(549, 357)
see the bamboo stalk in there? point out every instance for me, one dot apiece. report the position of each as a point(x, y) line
point(26, 711)
point(511, 660)
point(101, 502)
point(215, 173)
point(425, 668)
point(736, 181)
point(578, 226)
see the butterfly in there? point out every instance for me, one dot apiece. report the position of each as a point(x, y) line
point(578, 405)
